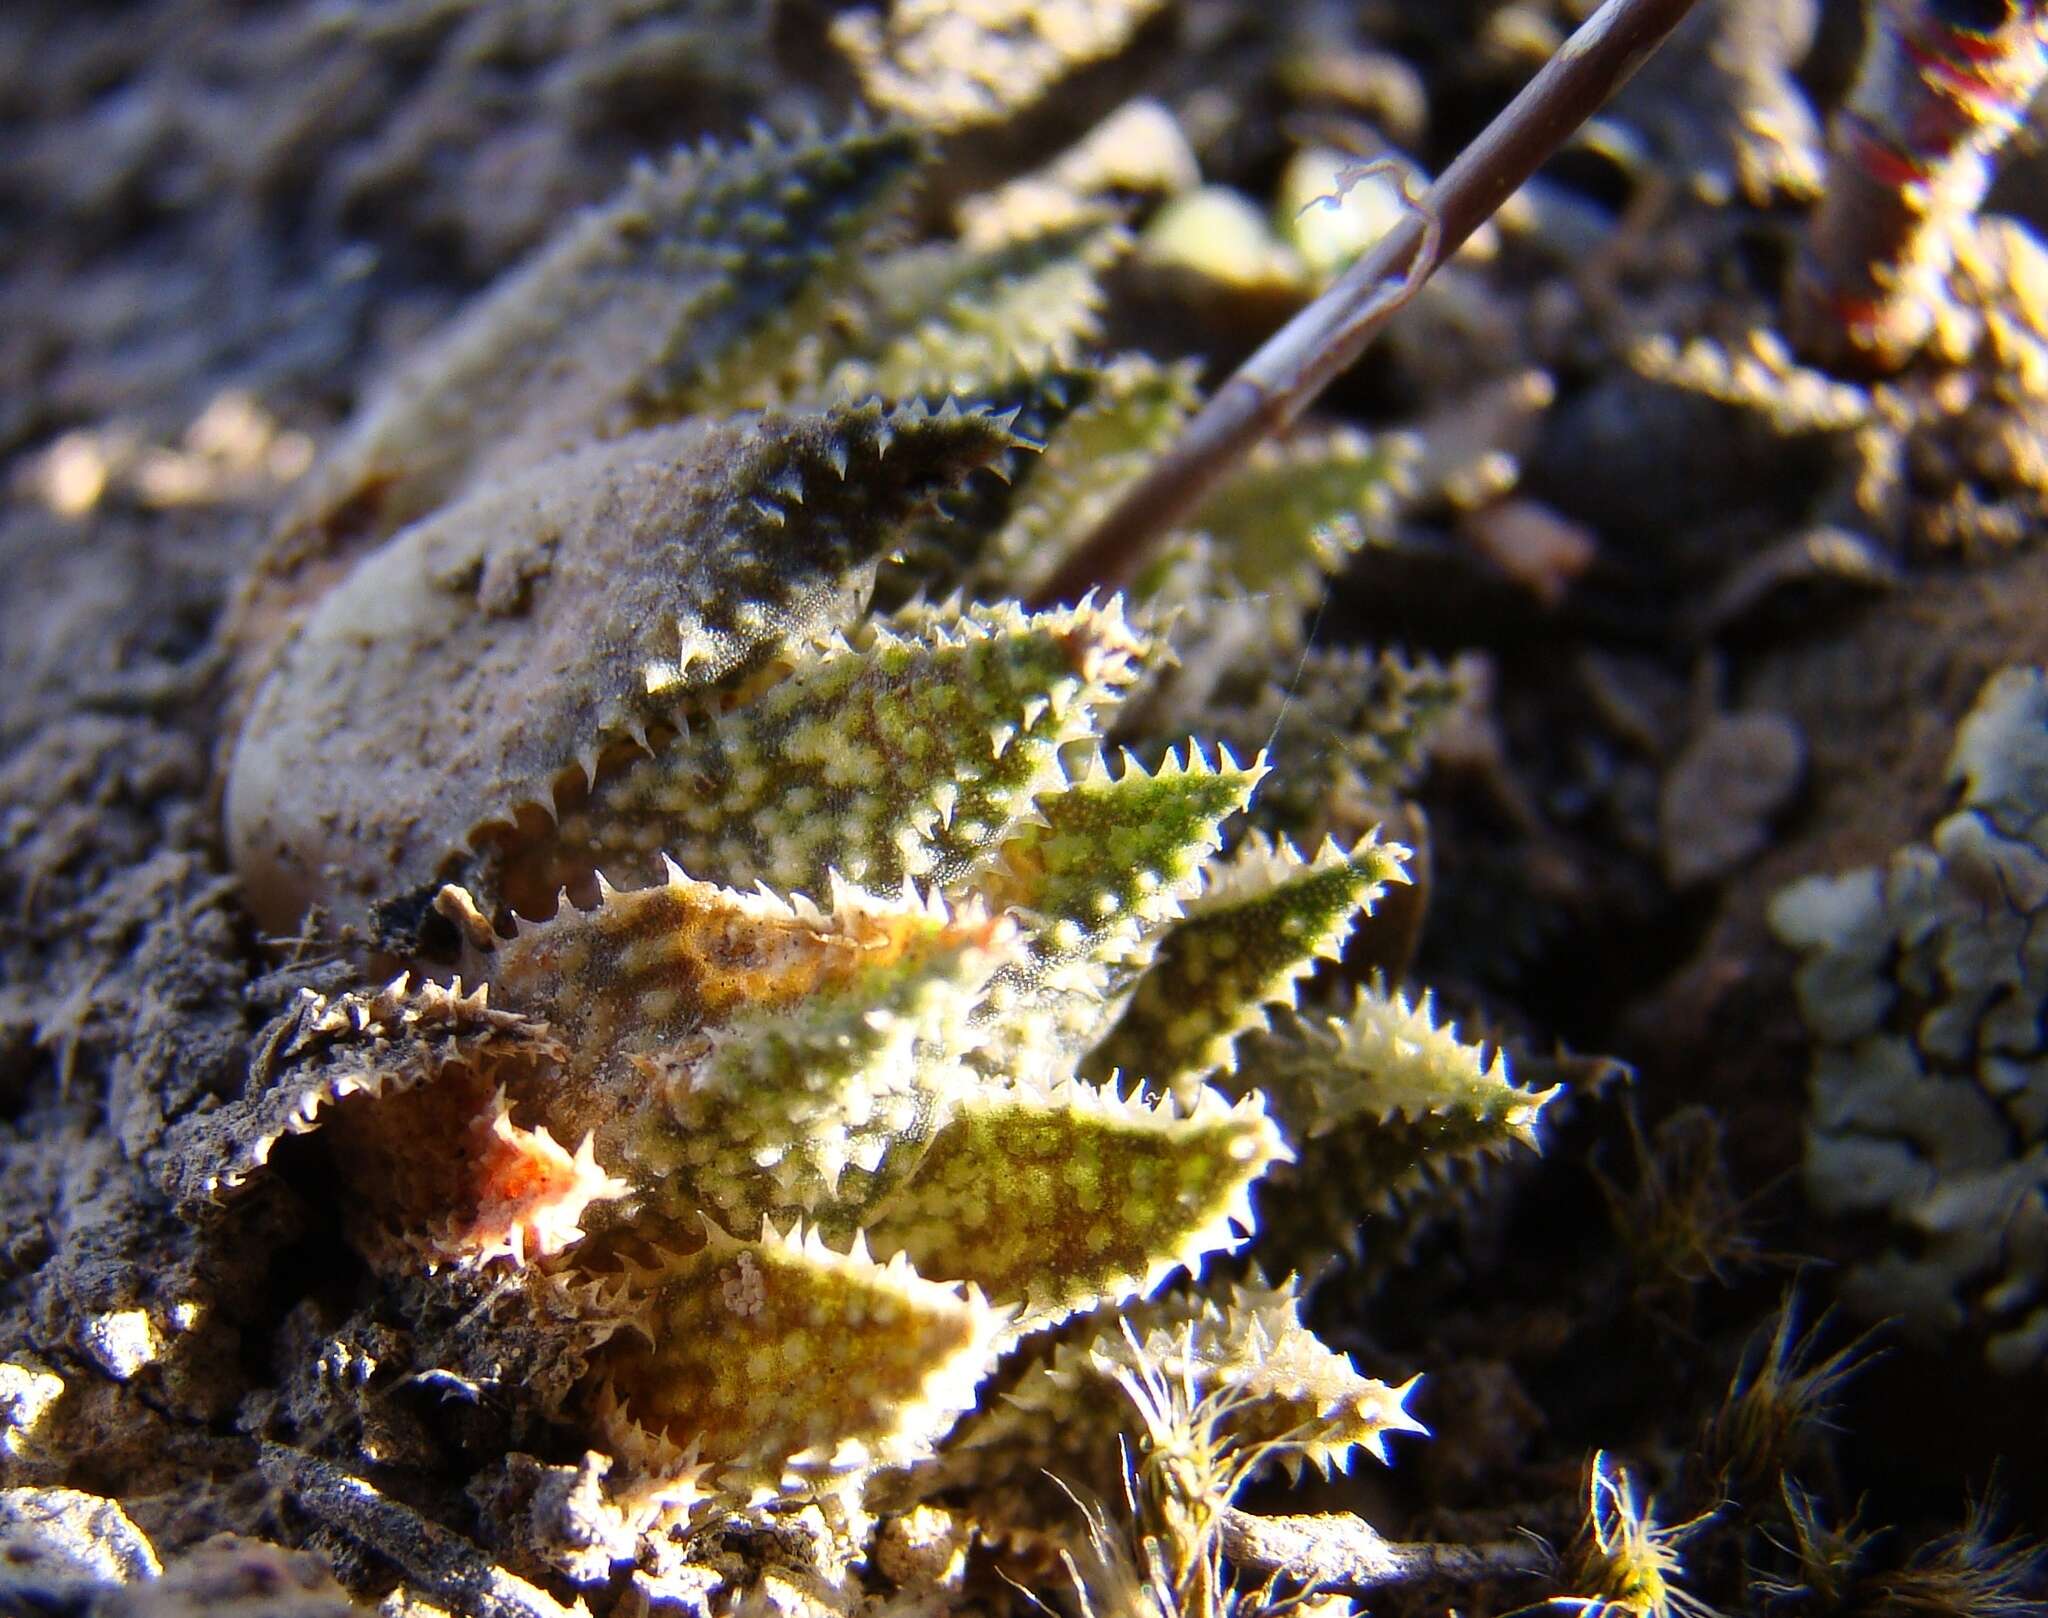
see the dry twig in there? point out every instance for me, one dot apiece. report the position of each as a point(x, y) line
point(444, 1565)
point(1277, 383)
point(1343, 1552)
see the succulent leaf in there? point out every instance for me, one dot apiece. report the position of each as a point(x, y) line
point(1388, 1060)
point(751, 1050)
point(636, 575)
point(1285, 1388)
point(902, 754)
point(757, 1356)
point(1297, 510)
point(1258, 928)
point(946, 320)
point(784, 1103)
point(677, 296)
point(1243, 1348)
point(1383, 1106)
point(1100, 449)
point(940, 549)
point(1058, 1199)
point(1102, 863)
point(645, 971)
point(1108, 856)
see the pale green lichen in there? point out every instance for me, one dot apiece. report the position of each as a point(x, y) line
point(1924, 983)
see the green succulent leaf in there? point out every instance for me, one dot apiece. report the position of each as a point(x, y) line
point(1258, 928)
point(1384, 1106)
point(1133, 409)
point(781, 1355)
point(798, 1026)
point(1107, 857)
point(903, 753)
point(818, 1107)
point(699, 281)
point(1297, 510)
point(1385, 1060)
point(1061, 1197)
point(950, 319)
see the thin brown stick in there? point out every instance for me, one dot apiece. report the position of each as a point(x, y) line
point(446, 1566)
point(1343, 1552)
point(1277, 383)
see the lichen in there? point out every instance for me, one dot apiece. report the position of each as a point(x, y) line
point(1923, 983)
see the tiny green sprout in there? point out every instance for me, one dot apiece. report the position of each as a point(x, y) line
point(1967, 1573)
point(1191, 1462)
point(1778, 1405)
point(1119, 1571)
point(1827, 1556)
point(1624, 1563)
point(1167, 1562)
point(1681, 1223)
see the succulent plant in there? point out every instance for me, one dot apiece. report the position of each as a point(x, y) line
point(800, 1002)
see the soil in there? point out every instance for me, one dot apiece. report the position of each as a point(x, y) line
point(218, 223)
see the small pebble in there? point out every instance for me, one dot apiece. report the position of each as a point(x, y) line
point(1720, 796)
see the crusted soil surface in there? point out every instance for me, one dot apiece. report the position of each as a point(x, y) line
point(218, 224)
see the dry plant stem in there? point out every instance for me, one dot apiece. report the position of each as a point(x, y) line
point(1910, 157)
point(1277, 383)
point(1343, 1552)
point(445, 1566)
